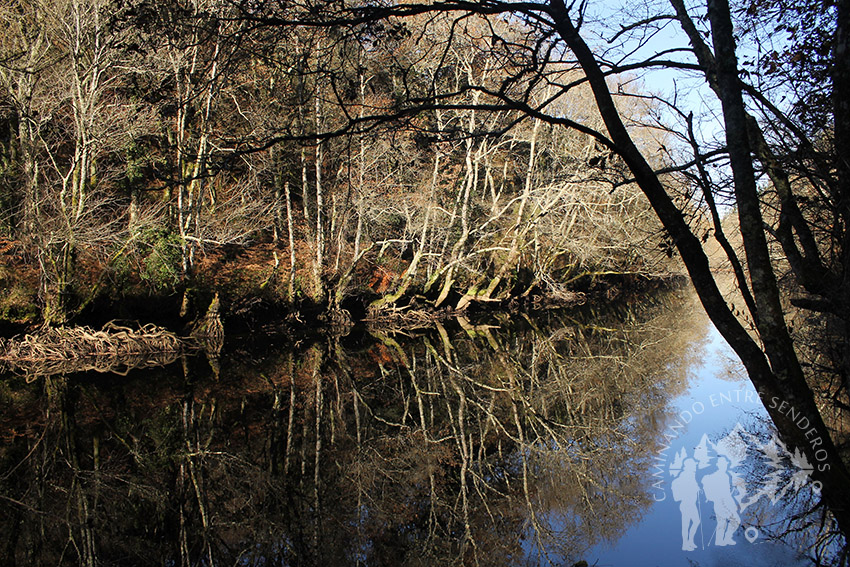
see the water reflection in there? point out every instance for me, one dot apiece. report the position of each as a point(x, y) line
point(514, 442)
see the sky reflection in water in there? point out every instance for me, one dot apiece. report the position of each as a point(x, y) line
point(719, 397)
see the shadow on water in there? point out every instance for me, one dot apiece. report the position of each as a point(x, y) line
point(513, 441)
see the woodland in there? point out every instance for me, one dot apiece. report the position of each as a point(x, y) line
point(177, 150)
point(334, 161)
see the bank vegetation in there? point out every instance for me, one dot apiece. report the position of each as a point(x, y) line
point(171, 151)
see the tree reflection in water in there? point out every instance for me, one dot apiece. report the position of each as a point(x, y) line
point(524, 441)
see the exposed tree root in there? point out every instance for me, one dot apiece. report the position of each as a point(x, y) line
point(77, 349)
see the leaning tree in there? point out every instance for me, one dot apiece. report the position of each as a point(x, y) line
point(776, 82)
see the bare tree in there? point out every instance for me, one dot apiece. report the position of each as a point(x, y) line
point(556, 34)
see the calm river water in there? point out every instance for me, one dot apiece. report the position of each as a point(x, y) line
point(621, 436)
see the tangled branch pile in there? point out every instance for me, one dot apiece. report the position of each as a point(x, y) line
point(78, 349)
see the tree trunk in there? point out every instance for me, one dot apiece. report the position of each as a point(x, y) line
point(318, 267)
point(785, 384)
point(291, 233)
point(410, 272)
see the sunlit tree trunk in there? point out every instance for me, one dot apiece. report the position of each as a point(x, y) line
point(319, 264)
point(519, 228)
point(411, 270)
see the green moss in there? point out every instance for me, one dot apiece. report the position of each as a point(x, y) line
point(18, 302)
point(162, 266)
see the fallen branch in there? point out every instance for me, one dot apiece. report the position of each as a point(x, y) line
point(78, 349)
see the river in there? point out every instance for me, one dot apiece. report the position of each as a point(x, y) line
point(591, 434)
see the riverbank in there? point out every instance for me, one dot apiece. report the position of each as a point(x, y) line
point(254, 293)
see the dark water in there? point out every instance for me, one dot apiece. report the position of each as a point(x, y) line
point(512, 441)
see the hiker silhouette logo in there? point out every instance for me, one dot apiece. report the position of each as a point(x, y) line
point(721, 478)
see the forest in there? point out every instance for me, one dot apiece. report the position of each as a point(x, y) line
point(172, 151)
point(324, 163)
